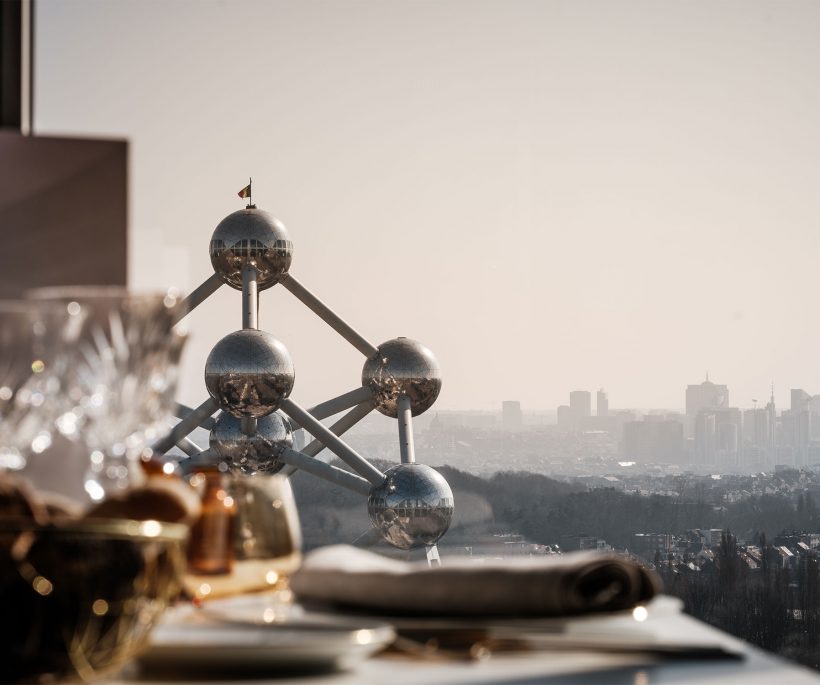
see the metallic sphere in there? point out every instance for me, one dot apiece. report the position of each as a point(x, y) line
point(413, 507)
point(403, 367)
point(255, 453)
point(249, 373)
point(251, 237)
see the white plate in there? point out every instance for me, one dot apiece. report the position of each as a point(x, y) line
point(191, 639)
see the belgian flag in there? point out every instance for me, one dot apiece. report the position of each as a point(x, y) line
point(245, 192)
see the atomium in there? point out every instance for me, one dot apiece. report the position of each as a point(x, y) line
point(413, 507)
point(257, 452)
point(249, 376)
point(251, 237)
point(402, 367)
point(249, 373)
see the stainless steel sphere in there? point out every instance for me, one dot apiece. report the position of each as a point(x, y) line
point(249, 373)
point(402, 367)
point(255, 453)
point(251, 236)
point(413, 507)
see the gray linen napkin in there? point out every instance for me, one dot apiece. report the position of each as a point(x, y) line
point(559, 585)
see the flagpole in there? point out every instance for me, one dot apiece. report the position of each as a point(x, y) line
point(250, 192)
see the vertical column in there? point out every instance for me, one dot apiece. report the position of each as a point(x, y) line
point(250, 298)
point(250, 319)
point(406, 447)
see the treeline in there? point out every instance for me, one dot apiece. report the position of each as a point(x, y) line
point(548, 511)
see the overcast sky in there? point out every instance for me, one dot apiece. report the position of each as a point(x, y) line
point(550, 195)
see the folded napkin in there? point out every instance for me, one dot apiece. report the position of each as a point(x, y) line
point(555, 585)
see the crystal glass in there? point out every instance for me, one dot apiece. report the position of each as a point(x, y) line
point(28, 333)
point(115, 376)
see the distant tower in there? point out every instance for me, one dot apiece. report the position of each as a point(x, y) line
point(771, 411)
point(511, 416)
point(705, 396)
point(564, 418)
point(799, 400)
point(580, 403)
point(602, 403)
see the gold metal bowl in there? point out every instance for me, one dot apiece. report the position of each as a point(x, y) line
point(80, 598)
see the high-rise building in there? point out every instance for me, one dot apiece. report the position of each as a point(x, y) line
point(601, 403)
point(795, 434)
point(704, 396)
point(580, 403)
point(565, 419)
point(800, 400)
point(705, 437)
point(771, 410)
point(511, 416)
point(756, 427)
point(718, 436)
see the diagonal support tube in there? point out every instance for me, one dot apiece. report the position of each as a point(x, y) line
point(332, 442)
point(189, 447)
point(182, 410)
point(343, 425)
point(406, 447)
point(325, 471)
point(342, 402)
point(205, 457)
point(198, 296)
point(185, 426)
point(328, 316)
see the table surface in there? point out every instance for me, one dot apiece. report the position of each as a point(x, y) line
point(554, 666)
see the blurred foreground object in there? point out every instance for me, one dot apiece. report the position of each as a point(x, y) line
point(81, 597)
point(30, 336)
point(255, 636)
point(165, 498)
point(248, 537)
point(560, 585)
point(113, 376)
point(18, 500)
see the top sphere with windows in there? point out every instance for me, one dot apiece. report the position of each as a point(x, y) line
point(402, 367)
point(251, 237)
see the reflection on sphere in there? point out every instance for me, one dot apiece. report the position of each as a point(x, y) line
point(403, 367)
point(251, 237)
point(413, 507)
point(255, 453)
point(248, 373)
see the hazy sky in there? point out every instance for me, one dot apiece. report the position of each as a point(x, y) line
point(550, 195)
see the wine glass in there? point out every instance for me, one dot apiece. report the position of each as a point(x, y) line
point(115, 376)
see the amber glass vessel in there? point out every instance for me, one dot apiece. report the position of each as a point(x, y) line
point(211, 547)
point(248, 538)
